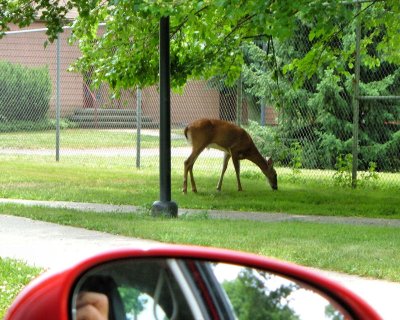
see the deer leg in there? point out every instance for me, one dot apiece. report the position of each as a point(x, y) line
point(184, 187)
point(227, 156)
point(188, 167)
point(236, 164)
point(194, 188)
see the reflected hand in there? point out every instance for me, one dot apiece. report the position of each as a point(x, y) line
point(91, 306)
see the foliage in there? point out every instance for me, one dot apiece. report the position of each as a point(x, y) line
point(252, 299)
point(370, 176)
point(332, 313)
point(266, 139)
point(206, 36)
point(317, 111)
point(310, 42)
point(343, 175)
point(297, 156)
point(269, 144)
point(329, 46)
point(134, 302)
point(344, 166)
point(25, 93)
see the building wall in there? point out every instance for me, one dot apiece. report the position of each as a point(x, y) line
point(196, 101)
point(28, 49)
point(271, 116)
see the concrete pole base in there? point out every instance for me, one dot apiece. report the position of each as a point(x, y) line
point(164, 208)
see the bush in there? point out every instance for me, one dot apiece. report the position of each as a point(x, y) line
point(266, 140)
point(24, 93)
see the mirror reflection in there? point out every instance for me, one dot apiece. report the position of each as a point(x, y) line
point(193, 289)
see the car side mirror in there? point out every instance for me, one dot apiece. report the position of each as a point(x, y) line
point(184, 282)
point(166, 288)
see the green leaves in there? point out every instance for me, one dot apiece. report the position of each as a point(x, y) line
point(207, 36)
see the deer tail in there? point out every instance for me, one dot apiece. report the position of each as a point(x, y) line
point(187, 134)
point(186, 131)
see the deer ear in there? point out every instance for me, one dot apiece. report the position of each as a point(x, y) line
point(270, 162)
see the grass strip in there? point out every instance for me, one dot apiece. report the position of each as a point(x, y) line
point(117, 181)
point(368, 251)
point(82, 139)
point(14, 275)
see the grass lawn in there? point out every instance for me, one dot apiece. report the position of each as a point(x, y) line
point(14, 275)
point(82, 139)
point(117, 181)
point(368, 251)
point(361, 250)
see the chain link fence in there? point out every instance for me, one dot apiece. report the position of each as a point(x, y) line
point(46, 110)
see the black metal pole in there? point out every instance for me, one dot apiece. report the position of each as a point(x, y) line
point(165, 206)
point(165, 114)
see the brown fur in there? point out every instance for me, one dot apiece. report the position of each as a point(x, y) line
point(230, 138)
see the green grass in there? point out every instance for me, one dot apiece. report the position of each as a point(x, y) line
point(362, 250)
point(14, 275)
point(81, 139)
point(368, 251)
point(117, 181)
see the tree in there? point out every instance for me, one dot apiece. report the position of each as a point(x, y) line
point(332, 313)
point(206, 36)
point(252, 299)
point(318, 111)
point(134, 302)
point(210, 38)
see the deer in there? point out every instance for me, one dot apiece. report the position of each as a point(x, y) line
point(233, 140)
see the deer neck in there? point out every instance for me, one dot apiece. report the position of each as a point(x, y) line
point(259, 160)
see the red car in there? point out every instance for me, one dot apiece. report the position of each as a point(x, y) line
point(186, 282)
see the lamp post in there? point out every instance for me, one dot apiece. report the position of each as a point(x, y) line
point(165, 206)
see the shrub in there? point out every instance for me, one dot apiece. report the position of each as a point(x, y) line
point(343, 175)
point(266, 140)
point(296, 161)
point(24, 92)
point(344, 166)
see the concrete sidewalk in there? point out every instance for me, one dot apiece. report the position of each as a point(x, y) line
point(53, 246)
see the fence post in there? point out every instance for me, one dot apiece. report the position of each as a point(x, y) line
point(239, 101)
point(138, 124)
point(356, 101)
point(263, 112)
point(58, 105)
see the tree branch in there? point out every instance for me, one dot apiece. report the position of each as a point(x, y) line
point(239, 25)
point(180, 26)
point(342, 28)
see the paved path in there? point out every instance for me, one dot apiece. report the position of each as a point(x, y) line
point(52, 246)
